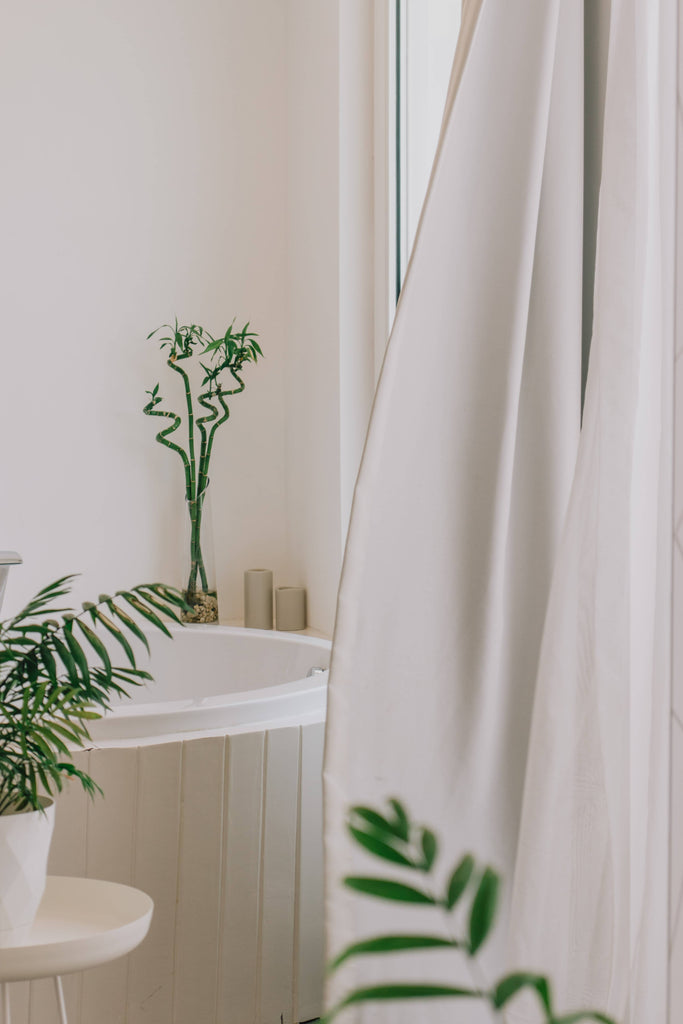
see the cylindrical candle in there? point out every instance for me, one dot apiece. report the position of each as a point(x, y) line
point(258, 598)
point(290, 608)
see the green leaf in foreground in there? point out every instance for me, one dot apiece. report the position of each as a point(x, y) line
point(586, 1015)
point(379, 993)
point(483, 909)
point(514, 983)
point(392, 944)
point(373, 844)
point(378, 822)
point(459, 880)
point(385, 890)
point(429, 848)
point(402, 822)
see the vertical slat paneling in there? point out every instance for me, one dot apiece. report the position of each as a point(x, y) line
point(210, 829)
point(67, 857)
point(199, 878)
point(67, 850)
point(43, 1007)
point(279, 875)
point(111, 821)
point(238, 974)
point(19, 1001)
point(150, 979)
point(310, 953)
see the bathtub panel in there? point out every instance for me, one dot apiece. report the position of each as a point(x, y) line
point(199, 875)
point(43, 1002)
point(110, 835)
point(239, 976)
point(310, 926)
point(234, 877)
point(155, 871)
point(19, 1001)
point(68, 847)
point(279, 875)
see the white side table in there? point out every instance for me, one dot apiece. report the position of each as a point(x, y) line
point(81, 922)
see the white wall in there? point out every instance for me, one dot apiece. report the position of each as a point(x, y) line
point(143, 176)
point(205, 159)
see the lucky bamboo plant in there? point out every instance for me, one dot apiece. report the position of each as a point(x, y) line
point(57, 674)
point(221, 380)
point(393, 837)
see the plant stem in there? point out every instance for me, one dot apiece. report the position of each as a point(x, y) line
point(192, 482)
point(197, 567)
point(162, 436)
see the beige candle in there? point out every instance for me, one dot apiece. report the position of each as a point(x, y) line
point(258, 598)
point(290, 608)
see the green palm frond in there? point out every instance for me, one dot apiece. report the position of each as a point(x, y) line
point(57, 674)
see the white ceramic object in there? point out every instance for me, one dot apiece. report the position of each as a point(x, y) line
point(24, 847)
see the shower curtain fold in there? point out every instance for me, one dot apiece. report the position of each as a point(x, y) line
point(591, 879)
point(465, 479)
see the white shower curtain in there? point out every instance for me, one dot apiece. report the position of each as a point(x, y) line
point(590, 897)
point(457, 530)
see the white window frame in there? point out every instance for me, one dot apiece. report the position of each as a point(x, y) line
point(396, 210)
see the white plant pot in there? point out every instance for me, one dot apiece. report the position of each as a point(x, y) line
point(24, 846)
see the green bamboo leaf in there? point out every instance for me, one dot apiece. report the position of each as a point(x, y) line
point(459, 880)
point(379, 848)
point(393, 944)
point(387, 890)
point(514, 983)
point(483, 909)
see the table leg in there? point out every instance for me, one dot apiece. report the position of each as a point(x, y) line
point(60, 1000)
point(4, 995)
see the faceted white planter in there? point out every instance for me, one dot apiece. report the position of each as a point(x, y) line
point(24, 846)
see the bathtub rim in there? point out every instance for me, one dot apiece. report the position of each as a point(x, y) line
point(300, 701)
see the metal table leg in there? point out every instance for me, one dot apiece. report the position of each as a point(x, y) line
point(60, 1000)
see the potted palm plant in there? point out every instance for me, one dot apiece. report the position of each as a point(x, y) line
point(56, 674)
point(220, 361)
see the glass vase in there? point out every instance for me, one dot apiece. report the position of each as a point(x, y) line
point(200, 579)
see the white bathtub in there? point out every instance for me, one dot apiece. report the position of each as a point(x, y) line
point(213, 805)
point(220, 678)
